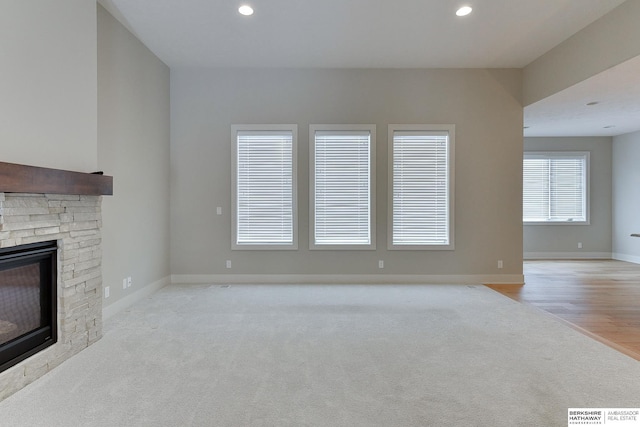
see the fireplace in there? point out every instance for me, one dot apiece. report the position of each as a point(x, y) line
point(50, 224)
point(28, 283)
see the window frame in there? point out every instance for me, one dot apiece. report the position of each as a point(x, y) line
point(293, 128)
point(372, 185)
point(587, 187)
point(427, 128)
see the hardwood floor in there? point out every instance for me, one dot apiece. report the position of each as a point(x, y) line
point(601, 298)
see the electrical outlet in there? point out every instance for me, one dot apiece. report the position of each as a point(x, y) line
point(124, 283)
point(380, 264)
point(499, 263)
point(579, 245)
point(106, 292)
point(129, 282)
point(228, 263)
point(219, 210)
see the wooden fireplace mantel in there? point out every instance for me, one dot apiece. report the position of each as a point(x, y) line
point(16, 178)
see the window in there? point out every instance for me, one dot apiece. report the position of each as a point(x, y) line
point(554, 187)
point(264, 187)
point(342, 186)
point(421, 183)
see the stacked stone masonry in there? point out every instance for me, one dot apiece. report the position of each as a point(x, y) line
point(74, 222)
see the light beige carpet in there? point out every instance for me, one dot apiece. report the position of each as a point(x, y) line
point(329, 356)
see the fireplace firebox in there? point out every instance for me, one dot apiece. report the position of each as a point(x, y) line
point(28, 309)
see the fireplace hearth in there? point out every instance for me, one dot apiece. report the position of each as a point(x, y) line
point(28, 284)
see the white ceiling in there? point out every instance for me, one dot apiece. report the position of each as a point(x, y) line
point(391, 34)
point(566, 113)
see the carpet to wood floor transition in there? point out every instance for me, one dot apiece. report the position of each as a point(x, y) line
point(313, 355)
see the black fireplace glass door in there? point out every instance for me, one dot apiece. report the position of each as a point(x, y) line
point(28, 309)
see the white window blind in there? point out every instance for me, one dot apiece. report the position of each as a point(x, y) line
point(264, 188)
point(342, 187)
point(554, 187)
point(421, 188)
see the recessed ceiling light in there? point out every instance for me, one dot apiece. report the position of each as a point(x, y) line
point(592, 103)
point(464, 11)
point(245, 10)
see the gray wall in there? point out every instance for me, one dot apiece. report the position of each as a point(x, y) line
point(48, 92)
point(626, 197)
point(133, 146)
point(561, 241)
point(485, 106)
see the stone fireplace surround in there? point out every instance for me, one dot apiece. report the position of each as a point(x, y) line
point(74, 222)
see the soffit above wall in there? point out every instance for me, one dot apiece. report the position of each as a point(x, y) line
point(566, 113)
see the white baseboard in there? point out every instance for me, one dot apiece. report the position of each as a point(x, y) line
point(627, 258)
point(133, 298)
point(347, 279)
point(567, 255)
